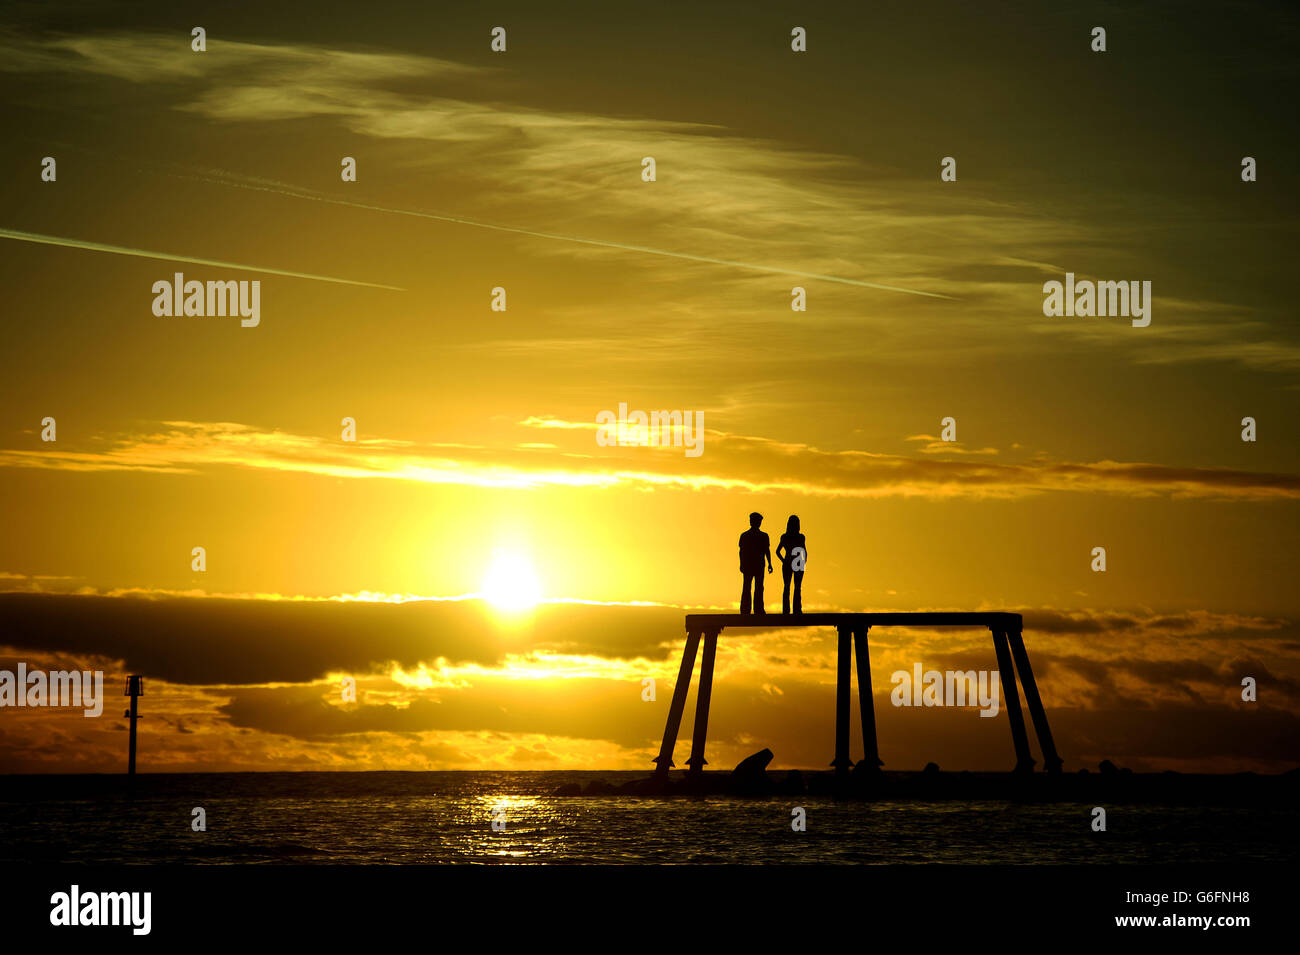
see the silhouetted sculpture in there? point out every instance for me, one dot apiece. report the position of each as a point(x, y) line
point(754, 547)
point(1008, 644)
point(792, 564)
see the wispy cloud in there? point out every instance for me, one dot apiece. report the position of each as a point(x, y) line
point(158, 57)
point(722, 200)
point(934, 445)
point(741, 207)
point(733, 461)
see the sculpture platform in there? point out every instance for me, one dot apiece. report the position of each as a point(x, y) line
point(1008, 644)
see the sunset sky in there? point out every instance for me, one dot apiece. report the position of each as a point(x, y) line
point(476, 435)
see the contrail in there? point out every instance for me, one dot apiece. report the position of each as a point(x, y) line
point(573, 238)
point(226, 180)
point(168, 257)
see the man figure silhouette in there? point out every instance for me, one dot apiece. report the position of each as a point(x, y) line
point(754, 547)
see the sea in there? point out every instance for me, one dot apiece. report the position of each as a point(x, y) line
point(444, 818)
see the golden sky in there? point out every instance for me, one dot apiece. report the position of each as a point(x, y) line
point(476, 435)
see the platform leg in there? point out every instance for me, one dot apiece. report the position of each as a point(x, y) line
point(664, 760)
point(866, 702)
point(697, 760)
point(1011, 700)
point(843, 762)
point(1051, 761)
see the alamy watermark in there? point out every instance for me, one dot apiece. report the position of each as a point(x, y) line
point(55, 688)
point(75, 907)
point(657, 429)
point(1087, 299)
point(197, 299)
point(947, 688)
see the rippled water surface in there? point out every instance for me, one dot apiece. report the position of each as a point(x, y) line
point(436, 817)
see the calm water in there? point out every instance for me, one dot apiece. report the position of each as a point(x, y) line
point(446, 818)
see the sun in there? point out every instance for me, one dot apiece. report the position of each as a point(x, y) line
point(511, 583)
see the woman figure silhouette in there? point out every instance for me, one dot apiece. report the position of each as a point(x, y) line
point(792, 551)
